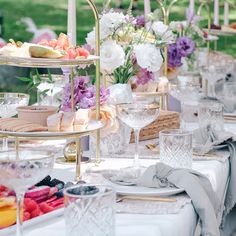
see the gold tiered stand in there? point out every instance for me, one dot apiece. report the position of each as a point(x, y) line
point(73, 64)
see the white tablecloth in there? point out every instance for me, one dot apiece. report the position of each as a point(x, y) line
point(138, 225)
point(183, 224)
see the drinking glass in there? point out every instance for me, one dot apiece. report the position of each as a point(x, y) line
point(137, 115)
point(22, 169)
point(8, 104)
point(176, 148)
point(90, 210)
point(210, 113)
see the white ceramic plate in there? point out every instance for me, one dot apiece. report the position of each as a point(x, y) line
point(92, 126)
point(46, 62)
point(40, 219)
point(144, 191)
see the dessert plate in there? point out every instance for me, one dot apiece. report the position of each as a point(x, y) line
point(46, 62)
point(92, 126)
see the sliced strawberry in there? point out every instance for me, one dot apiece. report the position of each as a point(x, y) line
point(2, 188)
point(62, 42)
point(82, 52)
point(26, 216)
point(45, 208)
point(71, 53)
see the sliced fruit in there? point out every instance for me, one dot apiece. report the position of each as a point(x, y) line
point(7, 217)
point(45, 208)
point(40, 51)
point(82, 52)
point(71, 53)
point(26, 216)
point(36, 212)
point(37, 192)
point(30, 205)
point(62, 42)
point(7, 201)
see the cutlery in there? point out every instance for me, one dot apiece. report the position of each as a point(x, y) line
point(145, 198)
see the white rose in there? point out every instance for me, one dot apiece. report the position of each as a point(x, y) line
point(148, 57)
point(110, 22)
point(112, 56)
point(90, 39)
point(159, 28)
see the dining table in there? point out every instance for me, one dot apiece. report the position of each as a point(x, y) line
point(183, 222)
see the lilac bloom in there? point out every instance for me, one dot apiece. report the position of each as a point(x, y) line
point(144, 76)
point(140, 21)
point(185, 46)
point(174, 58)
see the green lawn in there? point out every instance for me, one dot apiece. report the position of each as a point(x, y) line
point(53, 14)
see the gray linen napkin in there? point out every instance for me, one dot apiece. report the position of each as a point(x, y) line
point(196, 185)
point(207, 139)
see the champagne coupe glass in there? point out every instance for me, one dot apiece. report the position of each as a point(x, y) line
point(8, 104)
point(20, 170)
point(142, 112)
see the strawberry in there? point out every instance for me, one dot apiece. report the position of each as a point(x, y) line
point(36, 212)
point(2, 188)
point(72, 53)
point(51, 199)
point(45, 208)
point(26, 216)
point(82, 52)
point(30, 205)
point(38, 192)
point(59, 201)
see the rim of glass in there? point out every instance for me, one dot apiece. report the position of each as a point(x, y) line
point(175, 132)
point(112, 190)
point(50, 154)
point(141, 104)
point(2, 94)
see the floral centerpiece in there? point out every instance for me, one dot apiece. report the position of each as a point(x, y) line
point(130, 52)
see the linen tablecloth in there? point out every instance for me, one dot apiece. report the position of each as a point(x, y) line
point(182, 224)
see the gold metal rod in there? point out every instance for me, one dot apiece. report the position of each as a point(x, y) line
point(97, 52)
point(78, 159)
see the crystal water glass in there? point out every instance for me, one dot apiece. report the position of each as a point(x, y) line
point(210, 113)
point(90, 213)
point(22, 169)
point(137, 115)
point(8, 104)
point(176, 148)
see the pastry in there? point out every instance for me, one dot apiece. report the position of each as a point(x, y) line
point(54, 122)
point(67, 122)
point(81, 119)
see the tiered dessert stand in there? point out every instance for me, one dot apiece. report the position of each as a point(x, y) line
point(93, 126)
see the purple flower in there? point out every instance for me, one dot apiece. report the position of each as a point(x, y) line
point(140, 21)
point(185, 46)
point(174, 58)
point(144, 76)
point(84, 94)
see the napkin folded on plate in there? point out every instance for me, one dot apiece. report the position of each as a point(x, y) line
point(196, 185)
point(208, 139)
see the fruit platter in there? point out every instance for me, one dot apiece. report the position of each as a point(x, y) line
point(50, 54)
point(42, 201)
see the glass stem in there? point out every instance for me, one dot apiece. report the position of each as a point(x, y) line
point(182, 116)
point(19, 214)
point(5, 144)
point(136, 155)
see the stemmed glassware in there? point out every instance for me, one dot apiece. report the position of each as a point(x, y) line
point(137, 115)
point(8, 104)
point(22, 169)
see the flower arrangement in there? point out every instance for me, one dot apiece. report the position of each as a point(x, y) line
point(130, 51)
point(84, 94)
point(189, 37)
